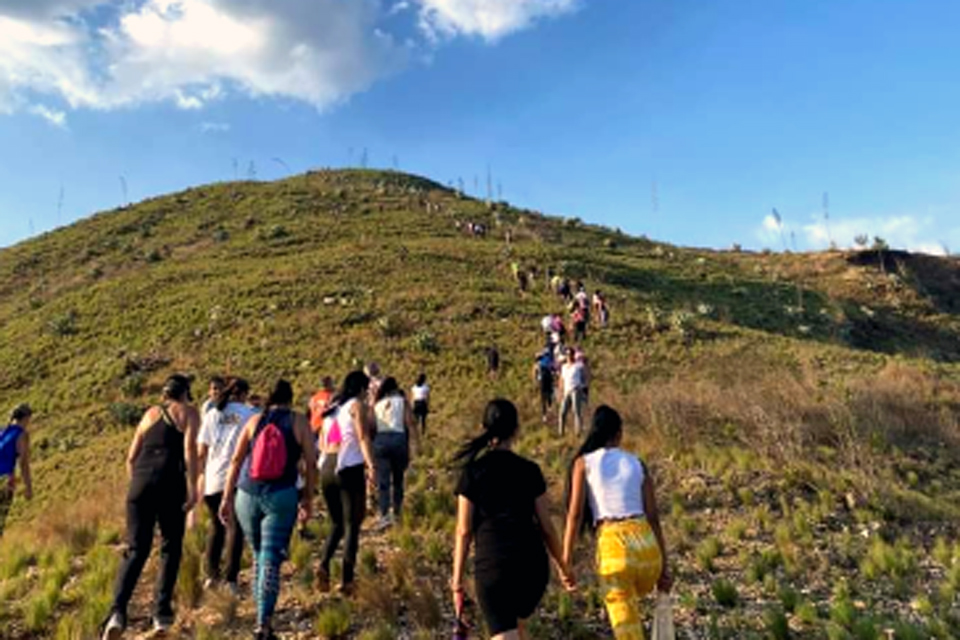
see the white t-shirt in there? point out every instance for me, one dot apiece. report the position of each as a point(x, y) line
point(421, 392)
point(220, 431)
point(390, 415)
point(573, 376)
point(547, 324)
point(614, 484)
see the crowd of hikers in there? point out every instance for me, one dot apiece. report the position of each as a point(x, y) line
point(257, 465)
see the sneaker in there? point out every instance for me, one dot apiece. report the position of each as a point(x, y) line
point(346, 589)
point(323, 580)
point(233, 589)
point(383, 523)
point(162, 624)
point(209, 584)
point(114, 628)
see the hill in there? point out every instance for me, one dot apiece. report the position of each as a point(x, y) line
point(800, 412)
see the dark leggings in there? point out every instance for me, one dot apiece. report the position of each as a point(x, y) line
point(220, 535)
point(148, 504)
point(346, 496)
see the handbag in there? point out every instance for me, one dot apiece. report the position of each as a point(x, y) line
point(663, 619)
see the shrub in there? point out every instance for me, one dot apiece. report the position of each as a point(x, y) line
point(390, 327)
point(132, 386)
point(125, 414)
point(333, 622)
point(775, 622)
point(64, 324)
point(426, 341)
point(725, 593)
point(707, 552)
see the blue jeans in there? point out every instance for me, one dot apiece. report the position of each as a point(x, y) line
point(267, 520)
point(392, 455)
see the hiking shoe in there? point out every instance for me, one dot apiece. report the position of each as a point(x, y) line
point(346, 589)
point(233, 589)
point(323, 581)
point(383, 523)
point(114, 627)
point(162, 624)
point(209, 584)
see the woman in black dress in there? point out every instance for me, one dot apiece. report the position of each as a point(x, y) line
point(502, 505)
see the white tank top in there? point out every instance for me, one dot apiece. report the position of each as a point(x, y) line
point(390, 415)
point(350, 453)
point(614, 484)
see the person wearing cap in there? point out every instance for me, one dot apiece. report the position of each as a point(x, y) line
point(14, 447)
point(162, 465)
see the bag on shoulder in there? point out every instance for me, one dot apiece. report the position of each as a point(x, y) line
point(269, 453)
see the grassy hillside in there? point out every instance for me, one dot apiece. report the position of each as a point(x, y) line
point(800, 412)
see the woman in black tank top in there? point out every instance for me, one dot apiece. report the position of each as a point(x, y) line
point(162, 467)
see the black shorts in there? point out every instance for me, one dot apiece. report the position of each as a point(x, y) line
point(420, 408)
point(513, 593)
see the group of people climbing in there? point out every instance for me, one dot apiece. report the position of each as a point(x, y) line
point(257, 470)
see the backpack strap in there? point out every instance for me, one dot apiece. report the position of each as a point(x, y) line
point(166, 417)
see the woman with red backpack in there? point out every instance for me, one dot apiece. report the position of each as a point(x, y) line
point(265, 467)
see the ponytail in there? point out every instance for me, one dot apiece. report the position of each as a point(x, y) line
point(472, 448)
point(500, 423)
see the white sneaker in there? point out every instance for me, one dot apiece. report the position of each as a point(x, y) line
point(162, 624)
point(114, 628)
point(383, 523)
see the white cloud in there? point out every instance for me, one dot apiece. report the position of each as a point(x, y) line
point(184, 51)
point(53, 116)
point(214, 127)
point(192, 52)
point(920, 234)
point(488, 19)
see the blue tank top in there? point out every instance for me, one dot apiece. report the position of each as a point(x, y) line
point(8, 449)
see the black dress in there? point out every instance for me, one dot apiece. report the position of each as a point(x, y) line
point(511, 567)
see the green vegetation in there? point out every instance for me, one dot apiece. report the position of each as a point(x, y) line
point(806, 455)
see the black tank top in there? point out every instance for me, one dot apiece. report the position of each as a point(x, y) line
point(161, 458)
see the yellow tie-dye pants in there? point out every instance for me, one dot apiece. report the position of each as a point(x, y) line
point(629, 564)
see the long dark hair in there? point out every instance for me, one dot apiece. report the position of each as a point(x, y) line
point(233, 391)
point(421, 379)
point(605, 428)
point(500, 423)
point(280, 396)
point(387, 389)
point(354, 386)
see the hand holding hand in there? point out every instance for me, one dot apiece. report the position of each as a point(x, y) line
point(226, 510)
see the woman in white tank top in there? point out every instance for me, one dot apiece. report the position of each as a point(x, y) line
point(345, 470)
point(612, 492)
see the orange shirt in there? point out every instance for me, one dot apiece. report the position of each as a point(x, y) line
point(318, 404)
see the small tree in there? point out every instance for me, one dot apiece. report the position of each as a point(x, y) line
point(861, 240)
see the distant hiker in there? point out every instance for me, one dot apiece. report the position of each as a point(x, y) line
point(544, 372)
point(564, 290)
point(216, 385)
point(546, 324)
point(520, 276)
point(580, 356)
point(396, 435)
point(573, 381)
point(493, 361)
point(611, 491)
point(220, 430)
point(555, 282)
point(14, 447)
point(262, 490)
point(502, 504)
point(581, 298)
point(601, 310)
point(162, 465)
point(578, 317)
point(319, 404)
point(421, 402)
point(346, 464)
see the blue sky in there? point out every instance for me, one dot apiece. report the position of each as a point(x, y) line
point(579, 106)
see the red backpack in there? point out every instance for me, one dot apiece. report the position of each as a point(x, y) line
point(269, 453)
